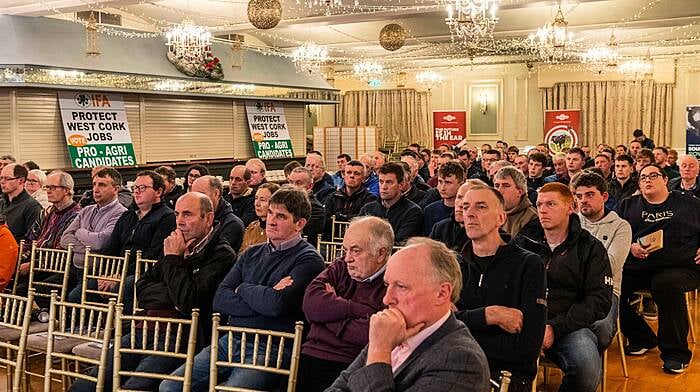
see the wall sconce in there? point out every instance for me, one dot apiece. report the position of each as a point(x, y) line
point(483, 102)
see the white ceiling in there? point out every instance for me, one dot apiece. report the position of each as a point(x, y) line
point(665, 26)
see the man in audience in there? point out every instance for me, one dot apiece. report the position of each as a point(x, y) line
point(257, 170)
point(588, 160)
point(413, 161)
point(688, 180)
point(417, 343)
point(339, 302)
point(371, 181)
point(473, 170)
point(93, 225)
point(560, 173)
point(315, 224)
point(661, 159)
point(6, 160)
point(126, 198)
point(487, 158)
point(613, 232)
point(511, 153)
point(641, 138)
point(231, 226)
point(507, 324)
point(521, 162)
point(378, 158)
point(346, 202)
point(575, 160)
point(673, 159)
point(667, 272)
point(408, 189)
point(424, 170)
point(535, 170)
point(635, 148)
point(405, 217)
point(323, 182)
point(195, 260)
point(442, 159)
point(263, 290)
point(172, 190)
point(341, 160)
point(450, 231)
point(450, 178)
point(625, 182)
point(511, 184)
point(620, 149)
point(604, 163)
point(19, 209)
point(579, 284)
point(240, 196)
point(644, 158)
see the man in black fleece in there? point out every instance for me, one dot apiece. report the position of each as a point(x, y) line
point(503, 296)
point(301, 179)
point(579, 286)
point(231, 226)
point(196, 260)
point(404, 216)
point(345, 203)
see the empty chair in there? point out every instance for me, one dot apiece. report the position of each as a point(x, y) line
point(16, 316)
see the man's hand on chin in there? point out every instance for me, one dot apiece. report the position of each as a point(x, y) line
point(387, 329)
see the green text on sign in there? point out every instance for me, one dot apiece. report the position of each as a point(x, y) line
point(102, 155)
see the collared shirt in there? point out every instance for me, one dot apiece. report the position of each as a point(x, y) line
point(199, 246)
point(374, 276)
point(284, 245)
point(400, 353)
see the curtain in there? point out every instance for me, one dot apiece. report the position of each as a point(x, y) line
point(610, 111)
point(402, 112)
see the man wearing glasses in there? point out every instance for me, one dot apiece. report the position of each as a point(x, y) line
point(20, 209)
point(667, 272)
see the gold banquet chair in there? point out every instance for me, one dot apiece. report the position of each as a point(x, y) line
point(77, 323)
point(15, 278)
point(16, 316)
point(330, 250)
point(142, 266)
point(262, 364)
point(174, 332)
point(503, 383)
point(647, 294)
point(338, 229)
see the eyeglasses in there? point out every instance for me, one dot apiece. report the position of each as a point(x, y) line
point(191, 175)
point(30, 181)
point(52, 187)
point(140, 188)
point(650, 177)
point(8, 178)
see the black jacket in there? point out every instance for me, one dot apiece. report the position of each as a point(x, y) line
point(431, 196)
point(405, 217)
point(20, 213)
point(243, 207)
point(344, 206)
point(171, 197)
point(424, 172)
point(415, 195)
point(674, 184)
point(317, 221)
point(535, 183)
point(322, 190)
point(515, 278)
point(579, 278)
point(231, 226)
point(146, 234)
point(619, 192)
point(450, 232)
point(419, 183)
point(182, 284)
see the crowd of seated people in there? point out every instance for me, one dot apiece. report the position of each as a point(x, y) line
point(530, 255)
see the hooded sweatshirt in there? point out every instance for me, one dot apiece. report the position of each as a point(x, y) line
point(519, 216)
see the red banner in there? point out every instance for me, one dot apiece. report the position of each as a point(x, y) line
point(561, 129)
point(449, 127)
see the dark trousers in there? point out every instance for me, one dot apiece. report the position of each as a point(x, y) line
point(315, 374)
point(668, 288)
point(74, 276)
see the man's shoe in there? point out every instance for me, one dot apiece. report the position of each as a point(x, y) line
point(650, 311)
point(636, 349)
point(674, 366)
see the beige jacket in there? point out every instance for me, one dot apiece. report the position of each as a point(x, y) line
point(519, 216)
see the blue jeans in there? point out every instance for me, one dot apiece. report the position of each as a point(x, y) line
point(578, 357)
point(606, 328)
point(238, 377)
point(134, 362)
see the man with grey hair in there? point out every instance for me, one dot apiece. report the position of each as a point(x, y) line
point(6, 160)
point(240, 195)
point(323, 182)
point(19, 209)
point(231, 226)
point(339, 302)
point(417, 343)
point(302, 179)
point(511, 183)
point(688, 179)
point(257, 170)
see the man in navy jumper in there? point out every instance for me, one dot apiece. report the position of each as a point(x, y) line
point(264, 290)
point(450, 178)
point(340, 301)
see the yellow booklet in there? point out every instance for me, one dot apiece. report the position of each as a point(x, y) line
point(652, 242)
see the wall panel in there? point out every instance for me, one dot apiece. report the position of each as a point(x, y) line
point(39, 129)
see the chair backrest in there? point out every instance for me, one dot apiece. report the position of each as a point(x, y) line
point(87, 324)
point(142, 265)
point(105, 268)
point(330, 250)
point(172, 332)
point(15, 279)
point(51, 261)
point(16, 315)
point(503, 384)
point(338, 229)
point(271, 362)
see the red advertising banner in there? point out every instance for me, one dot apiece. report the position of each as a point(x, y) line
point(561, 129)
point(449, 127)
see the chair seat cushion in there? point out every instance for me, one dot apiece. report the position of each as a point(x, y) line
point(90, 350)
point(11, 335)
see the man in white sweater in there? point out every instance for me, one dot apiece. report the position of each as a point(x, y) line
point(614, 232)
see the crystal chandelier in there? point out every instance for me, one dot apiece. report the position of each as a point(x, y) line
point(601, 58)
point(550, 41)
point(368, 70)
point(471, 20)
point(309, 57)
point(429, 79)
point(188, 41)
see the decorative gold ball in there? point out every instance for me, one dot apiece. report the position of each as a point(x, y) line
point(264, 14)
point(392, 37)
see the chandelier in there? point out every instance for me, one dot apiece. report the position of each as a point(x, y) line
point(602, 57)
point(309, 57)
point(429, 79)
point(471, 20)
point(188, 41)
point(368, 70)
point(550, 41)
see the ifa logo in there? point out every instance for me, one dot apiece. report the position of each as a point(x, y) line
point(449, 118)
point(562, 117)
